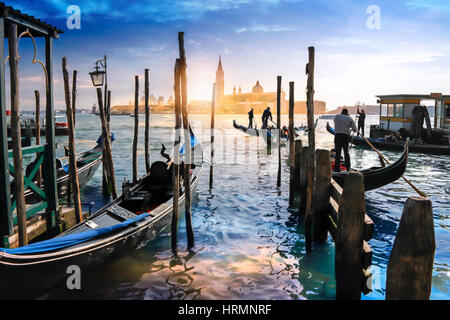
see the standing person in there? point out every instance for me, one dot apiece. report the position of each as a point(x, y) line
point(361, 120)
point(265, 117)
point(250, 119)
point(343, 123)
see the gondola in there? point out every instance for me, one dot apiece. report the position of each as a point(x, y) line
point(87, 164)
point(380, 143)
point(137, 216)
point(377, 177)
point(267, 136)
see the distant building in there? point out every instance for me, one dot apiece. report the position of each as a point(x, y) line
point(257, 99)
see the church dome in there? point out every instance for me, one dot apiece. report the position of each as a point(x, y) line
point(257, 88)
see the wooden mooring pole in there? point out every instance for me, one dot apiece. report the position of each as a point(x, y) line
point(136, 128)
point(147, 124)
point(73, 176)
point(349, 238)
point(410, 266)
point(312, 148)
point(187, 143)
point(213, 112)
point(37, 118)
point(16, 134)
point(291, 139)
point(279, 129)
point(303, 179)
point(321, 196)
point(108, 160)
point(176, 158)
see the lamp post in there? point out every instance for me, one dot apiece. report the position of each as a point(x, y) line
point(99, 78)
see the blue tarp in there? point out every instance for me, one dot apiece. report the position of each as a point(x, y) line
point(194, 142)
point(72, 239)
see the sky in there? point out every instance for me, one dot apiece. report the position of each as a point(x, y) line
point(363, 48)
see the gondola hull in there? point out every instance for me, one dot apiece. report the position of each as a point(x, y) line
point(378, 177)
point(85, 173)
point(399, 146)
point(28, 276)
point(267, 136)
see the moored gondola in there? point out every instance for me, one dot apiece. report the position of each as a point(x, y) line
point(87, 164)
point(377, 177)
point(137, 216)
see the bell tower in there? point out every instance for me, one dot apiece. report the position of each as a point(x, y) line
point(219, 85)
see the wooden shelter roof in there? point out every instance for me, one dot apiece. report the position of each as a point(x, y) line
point(37, 27)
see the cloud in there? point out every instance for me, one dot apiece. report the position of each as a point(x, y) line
point(155, 10)
point(441, 5)
point(264, 28)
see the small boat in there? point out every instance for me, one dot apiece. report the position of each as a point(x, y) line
point(28, 127)
point(377, 177)
point(381, 143)
point(26, 142)
point(142, 211)
point(268, 136)
point(87, 164)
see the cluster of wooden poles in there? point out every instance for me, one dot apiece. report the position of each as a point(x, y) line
point(328, 208)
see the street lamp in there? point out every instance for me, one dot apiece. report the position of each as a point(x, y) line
point(97, 76)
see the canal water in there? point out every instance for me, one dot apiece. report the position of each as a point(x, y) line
point(247, 244)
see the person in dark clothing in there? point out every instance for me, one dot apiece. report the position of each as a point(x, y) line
point(361, 120)
point(265, 117)
point(250, 119)
point(343, 123)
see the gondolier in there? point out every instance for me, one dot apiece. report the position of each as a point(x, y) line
point(361, 120)
point(265, 117)
point(343, 124)
point(250, 119)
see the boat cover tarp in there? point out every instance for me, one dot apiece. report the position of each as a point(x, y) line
point(72, 239)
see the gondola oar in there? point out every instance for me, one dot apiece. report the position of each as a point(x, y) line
point(407, 181)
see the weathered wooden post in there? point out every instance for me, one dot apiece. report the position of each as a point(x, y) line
point(72, 159)
point(108, 161)
point(312, 148)
point(74, 97)
point(349, 238)
point(187, 143)
point(136, 128)
point(38, 130)
point(298, 145)
point(303, 179)
point(291, 139)
point(16, 135)
point(213, 107)
point(279, 129)
point(176, 158)
point(321, 196)
point(410, 266)
point(147, 124)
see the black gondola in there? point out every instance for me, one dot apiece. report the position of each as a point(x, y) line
point(268, 136)
point(377, 177)
point(87, 164)
point(137, 216)
point(398, 146)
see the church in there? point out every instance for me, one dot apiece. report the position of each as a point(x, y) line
point(258, 99)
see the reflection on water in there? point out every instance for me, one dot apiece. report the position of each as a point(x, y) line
point(248, 246)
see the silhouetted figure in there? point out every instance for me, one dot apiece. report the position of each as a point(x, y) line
point(250, 119)
point(361, 120)
point(343, 123)
point(265, 117)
